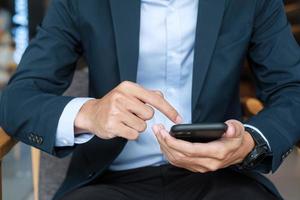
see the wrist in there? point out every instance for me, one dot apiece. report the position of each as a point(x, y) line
point(248, 144)
point(82, 122)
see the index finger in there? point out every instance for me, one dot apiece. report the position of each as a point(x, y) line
point(157, 101)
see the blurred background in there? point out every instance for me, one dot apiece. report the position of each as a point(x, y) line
point(18, 22)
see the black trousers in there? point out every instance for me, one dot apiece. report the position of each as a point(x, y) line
point(171, 183)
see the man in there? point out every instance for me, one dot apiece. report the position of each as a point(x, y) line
point(152, 64)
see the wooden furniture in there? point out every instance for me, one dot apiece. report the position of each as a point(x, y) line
point(251, 106)
point(35, 159)
point(6, 144)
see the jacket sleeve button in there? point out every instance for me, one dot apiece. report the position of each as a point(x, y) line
point(40, 140)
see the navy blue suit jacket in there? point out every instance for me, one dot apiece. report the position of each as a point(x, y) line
point(106, 33)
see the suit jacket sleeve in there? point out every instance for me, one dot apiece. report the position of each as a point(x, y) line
point(276, 64)
point(31, 104)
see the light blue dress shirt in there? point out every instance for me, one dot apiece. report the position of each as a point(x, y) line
point(167, 37)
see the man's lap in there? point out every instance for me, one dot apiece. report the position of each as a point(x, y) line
point(172, 183)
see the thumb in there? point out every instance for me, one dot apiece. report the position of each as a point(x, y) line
point(234, 130)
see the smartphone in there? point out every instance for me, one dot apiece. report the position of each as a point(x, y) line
point(201, 133)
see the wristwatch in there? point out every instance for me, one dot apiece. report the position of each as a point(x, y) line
point(258, 154)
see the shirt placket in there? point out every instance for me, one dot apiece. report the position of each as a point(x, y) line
point(173, 65)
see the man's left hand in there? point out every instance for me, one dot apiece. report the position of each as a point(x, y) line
point(231, 149)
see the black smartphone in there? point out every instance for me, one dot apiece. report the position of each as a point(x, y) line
point(203, 133)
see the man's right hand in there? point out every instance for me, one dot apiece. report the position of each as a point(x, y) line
point(123, 112)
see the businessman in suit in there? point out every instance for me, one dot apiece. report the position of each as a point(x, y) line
point(152, 64)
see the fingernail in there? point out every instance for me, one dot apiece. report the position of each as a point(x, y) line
point(230, 131)
point(178, 119)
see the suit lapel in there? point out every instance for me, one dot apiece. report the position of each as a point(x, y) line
point(210, 15)
point(126, 21)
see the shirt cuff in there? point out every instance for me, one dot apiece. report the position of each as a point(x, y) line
point(83, 138)
point(65, 133)
point(260, 133)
